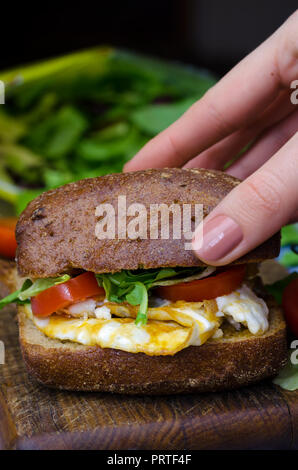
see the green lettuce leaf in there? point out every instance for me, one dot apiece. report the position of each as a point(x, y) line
point(30, 289)
point(14, 297)
point(139, 296)
point(132, 286)
point(42, 284)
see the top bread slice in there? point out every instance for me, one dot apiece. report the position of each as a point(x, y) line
point(56, 232)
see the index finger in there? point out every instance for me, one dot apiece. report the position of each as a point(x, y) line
point(234, 102)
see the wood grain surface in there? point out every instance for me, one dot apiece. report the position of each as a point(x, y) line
point(34, 417)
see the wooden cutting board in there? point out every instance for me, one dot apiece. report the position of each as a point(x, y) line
point(34, 417)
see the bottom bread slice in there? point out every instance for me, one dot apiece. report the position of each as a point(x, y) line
point(237, 359)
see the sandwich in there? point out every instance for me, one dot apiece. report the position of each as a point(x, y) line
point(139, 314)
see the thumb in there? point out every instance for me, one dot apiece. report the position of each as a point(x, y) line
point(253, 211)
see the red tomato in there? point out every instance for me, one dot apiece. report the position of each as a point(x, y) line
point(290, 305)
point(57, 297)
point(204, 289)
point(8, 242)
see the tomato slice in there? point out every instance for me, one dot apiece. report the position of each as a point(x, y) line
point(204, 289)
point(290, 305)
point(8, 242)
point(57, 297)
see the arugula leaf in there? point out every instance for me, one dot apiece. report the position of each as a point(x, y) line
point(14, 297)
point(30, 289)
point(133, 286)
point(139, 296)
point(135, 296)
point(42, 284)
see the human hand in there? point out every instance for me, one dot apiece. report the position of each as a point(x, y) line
point(251, 103)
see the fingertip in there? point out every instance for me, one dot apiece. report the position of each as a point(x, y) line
point(126, 167)
point(215, 242)
point(130, 166)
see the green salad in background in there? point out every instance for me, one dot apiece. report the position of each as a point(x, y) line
point(85, 115)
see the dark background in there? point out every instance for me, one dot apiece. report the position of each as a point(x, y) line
point(208, 33)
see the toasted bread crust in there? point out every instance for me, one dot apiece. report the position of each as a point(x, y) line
point(51, 240)
point(236, 360)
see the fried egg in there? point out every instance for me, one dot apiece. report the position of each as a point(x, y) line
point(244, 307)
point(170, 328)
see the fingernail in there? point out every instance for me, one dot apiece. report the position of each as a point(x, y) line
point(221, 235)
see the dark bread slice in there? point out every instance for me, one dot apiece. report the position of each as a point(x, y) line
point(237, 359)
point(56, 232)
